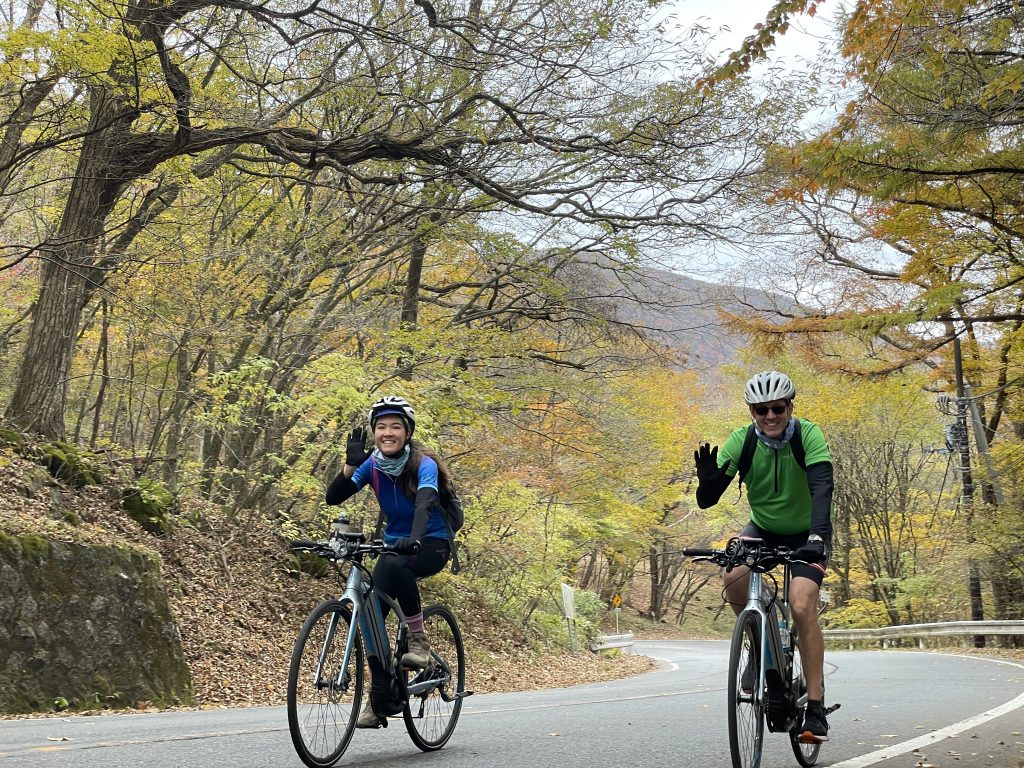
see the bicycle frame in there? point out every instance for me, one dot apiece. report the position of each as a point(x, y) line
point(368, 616)
point(773, 657)
point(778, 697)
point(323, 703)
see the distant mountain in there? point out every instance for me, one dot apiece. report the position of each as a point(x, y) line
point(683, 314)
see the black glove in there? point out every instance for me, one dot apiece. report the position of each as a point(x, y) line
point(811, 551)
point(708, 471)
point(355, 450)
point(406, 546)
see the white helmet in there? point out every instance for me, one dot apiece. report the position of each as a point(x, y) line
point(767, 386)
point(393, 405)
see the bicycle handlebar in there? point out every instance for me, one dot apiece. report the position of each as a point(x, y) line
point(753, 553)
point(699, 552)
point(345, 548)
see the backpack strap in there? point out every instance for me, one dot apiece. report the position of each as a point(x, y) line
point(798, 447)
point(750, 445)
point(452, 543)
point(747, 453)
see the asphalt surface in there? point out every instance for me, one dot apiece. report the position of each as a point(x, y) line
point(906, 709)
point(997, 743)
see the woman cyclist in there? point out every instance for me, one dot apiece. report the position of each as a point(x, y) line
point(406, 478)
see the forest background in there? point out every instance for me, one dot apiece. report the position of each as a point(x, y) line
point(228, 226)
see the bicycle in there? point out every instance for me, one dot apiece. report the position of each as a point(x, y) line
point(341, 637)
point(765, 650)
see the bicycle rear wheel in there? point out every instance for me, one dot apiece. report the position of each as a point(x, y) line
point(746, 707)
point(806, 754)
point(435, 693)
point(323, 692)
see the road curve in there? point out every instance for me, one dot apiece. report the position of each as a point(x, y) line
point(893, 703)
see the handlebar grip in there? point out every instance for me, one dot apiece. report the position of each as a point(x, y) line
point(698, 552)
point(304, 544)
point(404, 547)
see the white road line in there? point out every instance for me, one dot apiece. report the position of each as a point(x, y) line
point(943, 733)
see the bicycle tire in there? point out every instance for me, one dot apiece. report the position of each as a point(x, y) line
point(806, 753)
point(746, 708)
point(322, 713)
point(431, 716)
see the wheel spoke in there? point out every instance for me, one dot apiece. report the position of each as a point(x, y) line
point(430, 715)
point(806, 754)
point(323, 691)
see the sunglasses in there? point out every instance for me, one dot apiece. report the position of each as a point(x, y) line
point(762, 410)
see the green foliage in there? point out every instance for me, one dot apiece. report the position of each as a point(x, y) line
point(260, 306)
point(234, 394)
point(308, 563)
point(858, 613)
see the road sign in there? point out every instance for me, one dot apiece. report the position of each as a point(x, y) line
point(617, 600)
point(569, 601)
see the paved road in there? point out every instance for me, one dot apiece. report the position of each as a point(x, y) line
point(954, 710)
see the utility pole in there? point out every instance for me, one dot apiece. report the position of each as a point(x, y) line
point(990, 491)
point(973, 571)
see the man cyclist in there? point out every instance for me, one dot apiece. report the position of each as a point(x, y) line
point(790, 505)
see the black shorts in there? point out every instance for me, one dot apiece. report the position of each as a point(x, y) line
point(815, 571)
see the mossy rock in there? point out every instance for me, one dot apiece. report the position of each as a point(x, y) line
point(34, 480)
point(33, 547)
point(308, 563)
point(70, 463)
point(12, 437)
point(151, 505)
point(86, 626)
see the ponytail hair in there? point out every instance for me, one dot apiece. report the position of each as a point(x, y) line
point(408, 481)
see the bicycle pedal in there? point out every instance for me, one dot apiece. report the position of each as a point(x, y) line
point(809, 738)
point(833, 708)
point(463, 694)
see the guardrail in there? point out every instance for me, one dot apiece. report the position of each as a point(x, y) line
point(923, 631)
point(872, 634)
point(607, 642)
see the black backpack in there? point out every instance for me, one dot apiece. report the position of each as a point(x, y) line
point(451, 508)
point(750, 444)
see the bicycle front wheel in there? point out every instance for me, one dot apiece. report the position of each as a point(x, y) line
point(435, 693)
point(746, 699)
point(324, 691)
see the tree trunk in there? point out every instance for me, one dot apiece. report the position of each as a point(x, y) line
point(414, 278)
point(69, 276)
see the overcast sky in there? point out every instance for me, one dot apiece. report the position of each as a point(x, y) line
point(733, 20)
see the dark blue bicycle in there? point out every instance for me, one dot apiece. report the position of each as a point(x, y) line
point(344, 638)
